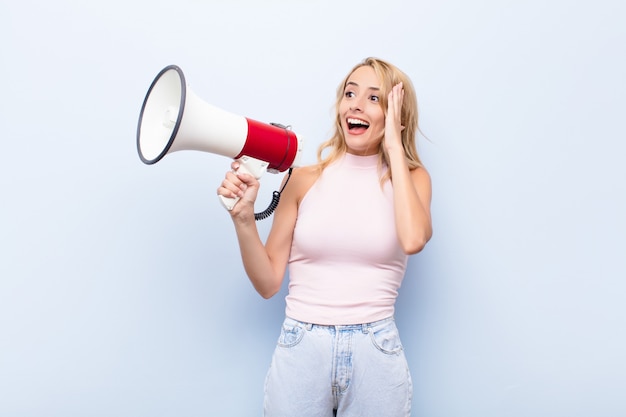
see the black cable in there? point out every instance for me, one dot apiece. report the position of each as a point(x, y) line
point(274, 203)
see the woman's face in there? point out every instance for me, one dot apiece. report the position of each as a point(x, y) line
point(361, 114)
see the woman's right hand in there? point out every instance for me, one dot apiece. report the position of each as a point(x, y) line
point(241, 185)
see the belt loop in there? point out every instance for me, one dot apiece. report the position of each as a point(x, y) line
point(309, 326)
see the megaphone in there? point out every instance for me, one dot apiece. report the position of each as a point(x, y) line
point(173, 118)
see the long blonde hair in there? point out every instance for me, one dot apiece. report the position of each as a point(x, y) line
point(389, 75)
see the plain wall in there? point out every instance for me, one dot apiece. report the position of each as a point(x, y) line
point(121, 288)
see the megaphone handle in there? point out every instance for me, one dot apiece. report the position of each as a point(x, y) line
point(247, 165)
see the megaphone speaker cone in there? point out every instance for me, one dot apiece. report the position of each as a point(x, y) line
point(161, 114)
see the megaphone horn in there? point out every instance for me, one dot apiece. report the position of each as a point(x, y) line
point(173, 118)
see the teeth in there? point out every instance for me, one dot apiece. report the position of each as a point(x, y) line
point(357, 122)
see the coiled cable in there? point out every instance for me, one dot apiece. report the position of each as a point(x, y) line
point(274, 203)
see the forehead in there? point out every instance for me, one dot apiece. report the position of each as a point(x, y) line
point(364, 76)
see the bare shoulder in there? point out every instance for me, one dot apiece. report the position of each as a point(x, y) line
point(420, 175)
point(423, 185)
point(294, 187)
point(302, 178)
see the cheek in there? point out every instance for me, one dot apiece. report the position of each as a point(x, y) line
point(380, 119)
point(342, 107)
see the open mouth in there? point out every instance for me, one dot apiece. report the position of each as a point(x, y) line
point(356, 125)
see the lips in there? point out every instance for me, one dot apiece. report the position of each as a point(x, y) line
point(356, 125)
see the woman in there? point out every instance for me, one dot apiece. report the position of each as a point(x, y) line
point(345, 227)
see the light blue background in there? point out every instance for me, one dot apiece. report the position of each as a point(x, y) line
point(122, 292)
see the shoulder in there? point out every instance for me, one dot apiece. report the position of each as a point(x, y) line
point(420, 174)
point(422, 182)
point(294, 187)
point(301, 180)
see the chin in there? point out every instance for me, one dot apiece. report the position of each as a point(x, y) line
point(359, 146)
point(363, 151)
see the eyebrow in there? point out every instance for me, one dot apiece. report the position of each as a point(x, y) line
point(356, 85)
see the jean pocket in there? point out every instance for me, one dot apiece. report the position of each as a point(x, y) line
point(387, 339)
point(291, 333)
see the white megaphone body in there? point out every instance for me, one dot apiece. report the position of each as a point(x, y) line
point(173, 118)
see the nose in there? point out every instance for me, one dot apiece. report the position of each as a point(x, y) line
point(356, 104)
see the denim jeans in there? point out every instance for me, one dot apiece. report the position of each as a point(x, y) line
point(344, 371)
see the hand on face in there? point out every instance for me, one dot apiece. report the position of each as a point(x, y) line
point(393, 122)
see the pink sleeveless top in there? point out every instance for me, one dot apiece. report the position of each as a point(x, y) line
point(346, 264)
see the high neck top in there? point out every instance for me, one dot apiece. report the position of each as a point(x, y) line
point(359, 161)
point(346, 263)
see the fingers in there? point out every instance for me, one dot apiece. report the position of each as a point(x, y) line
point(394, 102)
point(394, 105)
point(395, 98)
point(232, 186)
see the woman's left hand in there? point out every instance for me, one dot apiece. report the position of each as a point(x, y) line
point(393, 122)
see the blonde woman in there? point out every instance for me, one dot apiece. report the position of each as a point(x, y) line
point(344, 228)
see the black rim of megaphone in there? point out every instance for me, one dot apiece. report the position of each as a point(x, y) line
point(181, 110)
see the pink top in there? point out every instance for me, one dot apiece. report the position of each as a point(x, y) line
point(346, 263)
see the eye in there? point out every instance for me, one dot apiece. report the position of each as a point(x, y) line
point(349, 94)
point(375, 99)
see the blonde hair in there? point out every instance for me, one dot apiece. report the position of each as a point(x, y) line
point(389, 75)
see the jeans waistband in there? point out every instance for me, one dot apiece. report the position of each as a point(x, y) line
point(364, 327)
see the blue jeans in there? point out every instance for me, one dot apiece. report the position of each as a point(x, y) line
point(345, 371)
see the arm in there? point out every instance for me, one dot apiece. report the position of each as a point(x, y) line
point(411, 189)
point(265, 265)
